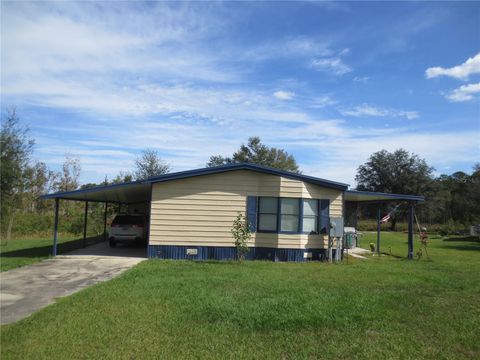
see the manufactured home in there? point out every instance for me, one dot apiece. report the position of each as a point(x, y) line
point(292, 217)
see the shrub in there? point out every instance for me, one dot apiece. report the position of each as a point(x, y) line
point(241, 233)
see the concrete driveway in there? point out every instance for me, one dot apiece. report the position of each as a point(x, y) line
point(30, 288)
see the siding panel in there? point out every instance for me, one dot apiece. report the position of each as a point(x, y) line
point(200, 211)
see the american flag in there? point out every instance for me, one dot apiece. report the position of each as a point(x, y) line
point(388, 216)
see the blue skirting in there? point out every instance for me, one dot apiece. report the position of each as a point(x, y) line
point(230, 253)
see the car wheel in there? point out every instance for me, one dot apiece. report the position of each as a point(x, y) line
point(112, 243)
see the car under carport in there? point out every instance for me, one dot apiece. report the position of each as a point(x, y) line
point(129, 197)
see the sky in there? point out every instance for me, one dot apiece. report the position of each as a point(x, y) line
point(330, 82)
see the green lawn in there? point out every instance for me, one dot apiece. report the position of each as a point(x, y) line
point(21, 251)
point(394, 243)
point(380, 308)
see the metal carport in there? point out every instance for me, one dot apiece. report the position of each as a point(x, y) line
point(122, 194)
point(356, 197)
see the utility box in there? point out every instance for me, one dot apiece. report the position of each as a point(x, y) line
point(336, 227)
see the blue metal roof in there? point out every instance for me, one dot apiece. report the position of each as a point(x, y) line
point(248, 166)
point(128, 192)
point(137, 191)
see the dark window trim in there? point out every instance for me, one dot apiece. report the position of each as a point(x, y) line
point(317, 217)
point(259, 213)
point(279, 216)
point(298, 231)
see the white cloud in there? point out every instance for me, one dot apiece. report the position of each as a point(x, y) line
point(306, 46)
point(133, 79)
point(284, 95)
point(319, 102)
point(464, 93)
point(462, 71)
point(335, 146)
point(292, 47)
point(350, 151)
point(44, 41)
point(366, 110)
point(333, 65)
point(361, 79)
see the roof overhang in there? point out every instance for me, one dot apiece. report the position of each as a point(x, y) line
point(367, 196)
point(124, 193)
point(140, 191)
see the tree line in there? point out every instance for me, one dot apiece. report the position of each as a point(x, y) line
point(24, 180)
point(452, 200)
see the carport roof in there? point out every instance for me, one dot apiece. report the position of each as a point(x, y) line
point(364, 196)
point(126, 193)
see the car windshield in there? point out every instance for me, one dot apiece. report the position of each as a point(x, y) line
point(128, 220)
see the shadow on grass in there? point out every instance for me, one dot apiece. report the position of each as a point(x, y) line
point(464, 238)
point(62, 248)
point(469, 243)
point(396, 256)
point(471, 246)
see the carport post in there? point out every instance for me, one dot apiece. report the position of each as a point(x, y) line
point(55, 228)
point(105, 222)
point(411, 214)
point(85, 225)
point(378, 229)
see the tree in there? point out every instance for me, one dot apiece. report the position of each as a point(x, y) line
point(15, 150)
point(150, 164)
point(257, 153)
point(461, 197)
point(123, 176)
point(68, 179)
point(40, 180)
point(399, 172)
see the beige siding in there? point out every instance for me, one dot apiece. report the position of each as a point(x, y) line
point(200, 210)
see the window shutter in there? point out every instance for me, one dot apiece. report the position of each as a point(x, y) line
point(252, 212)
point(324, 217)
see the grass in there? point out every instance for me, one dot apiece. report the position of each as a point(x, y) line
point(374, 309)
point(395, 244)
point(26, 250)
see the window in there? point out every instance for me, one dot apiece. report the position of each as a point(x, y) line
point(267, 214)
point(310, 216)
point(289, 214)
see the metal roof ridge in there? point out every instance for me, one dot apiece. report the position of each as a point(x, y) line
point(246, 166)
point(207, 171)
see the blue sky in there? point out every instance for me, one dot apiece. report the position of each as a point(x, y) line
point(329, 82)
